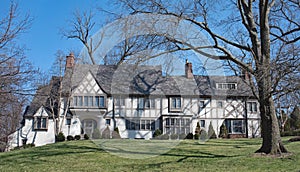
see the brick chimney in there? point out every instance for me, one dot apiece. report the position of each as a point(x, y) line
point(245, 74)
point(70, 62)
point(188, 70)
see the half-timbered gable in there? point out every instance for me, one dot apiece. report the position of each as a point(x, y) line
point(137, 100)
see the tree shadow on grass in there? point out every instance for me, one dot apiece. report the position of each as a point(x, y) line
point(37, 154)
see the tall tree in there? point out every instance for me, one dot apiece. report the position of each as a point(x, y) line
point(16, 73)
point(263, 33)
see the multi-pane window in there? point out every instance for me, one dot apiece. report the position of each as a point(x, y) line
point(120, 101)
point(89, 101)
point(252, 106)
point(140, 124)
point(177, 126)
point(99, 101)
point(226, 86)
point(235, 126)
point(175, 103)
point(149, 103)
point(40, 123)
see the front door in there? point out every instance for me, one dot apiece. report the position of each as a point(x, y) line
point(88, 126)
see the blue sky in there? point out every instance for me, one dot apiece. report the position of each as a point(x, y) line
point(43, 39)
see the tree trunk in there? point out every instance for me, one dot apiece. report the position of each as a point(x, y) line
point(271, 143)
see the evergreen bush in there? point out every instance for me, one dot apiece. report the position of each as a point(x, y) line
point(203, 135)
point(174, 136)
point(223, 131)
point(211, 132)
point(77, 137)
point(86, 137)
point(196, 136)
point(69, 138)
point(189, 136)
point(182, 136)
point(156, 133)
point(60, 137)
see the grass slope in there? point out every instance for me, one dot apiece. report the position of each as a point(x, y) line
point(214, 155)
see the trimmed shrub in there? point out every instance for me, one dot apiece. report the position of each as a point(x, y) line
point(77, 137)
point(96, 134)
point(196, 136)
point(69, 138)
point(174, 136)
point(60, 137)
point(30, 145)
point(203, 135)
point(211, 132)
point(156, 133)
point(162, 137)
point(223, 131)
point(189, 136)
point(86, 137)
point(198, 129)
point(182, 136)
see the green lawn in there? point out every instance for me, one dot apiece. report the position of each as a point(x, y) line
point(142, 155)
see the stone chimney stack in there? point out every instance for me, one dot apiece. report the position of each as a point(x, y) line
point(70, 62)
point(188, 70)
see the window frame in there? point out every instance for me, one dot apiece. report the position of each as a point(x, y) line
point(226, 86)
point(252, 107)
point(40, 123)
point(175, 104)
point(220, 104)
point(68, 121)
point(107, 121)
point(231, 125)
point(89, 101)
point(149, 103)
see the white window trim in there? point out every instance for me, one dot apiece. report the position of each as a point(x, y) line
point(35, 120)
point(177, 109)
point(226, 86)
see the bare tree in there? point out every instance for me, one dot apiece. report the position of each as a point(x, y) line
point(264, 34)
point(16, 73)
point(82, 25)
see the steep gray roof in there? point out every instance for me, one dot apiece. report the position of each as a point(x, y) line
point(146, 80)
point(42, 97)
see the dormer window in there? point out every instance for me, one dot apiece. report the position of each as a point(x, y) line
point(40, 123)
point(175, 103)
point(227, 86)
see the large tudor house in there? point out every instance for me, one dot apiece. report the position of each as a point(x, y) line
point(137, 100)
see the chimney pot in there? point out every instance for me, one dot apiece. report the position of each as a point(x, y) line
point(189, 70)
point(70, 62)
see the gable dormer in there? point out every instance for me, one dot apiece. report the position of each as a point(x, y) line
point(88, 85)
point(89, 94)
